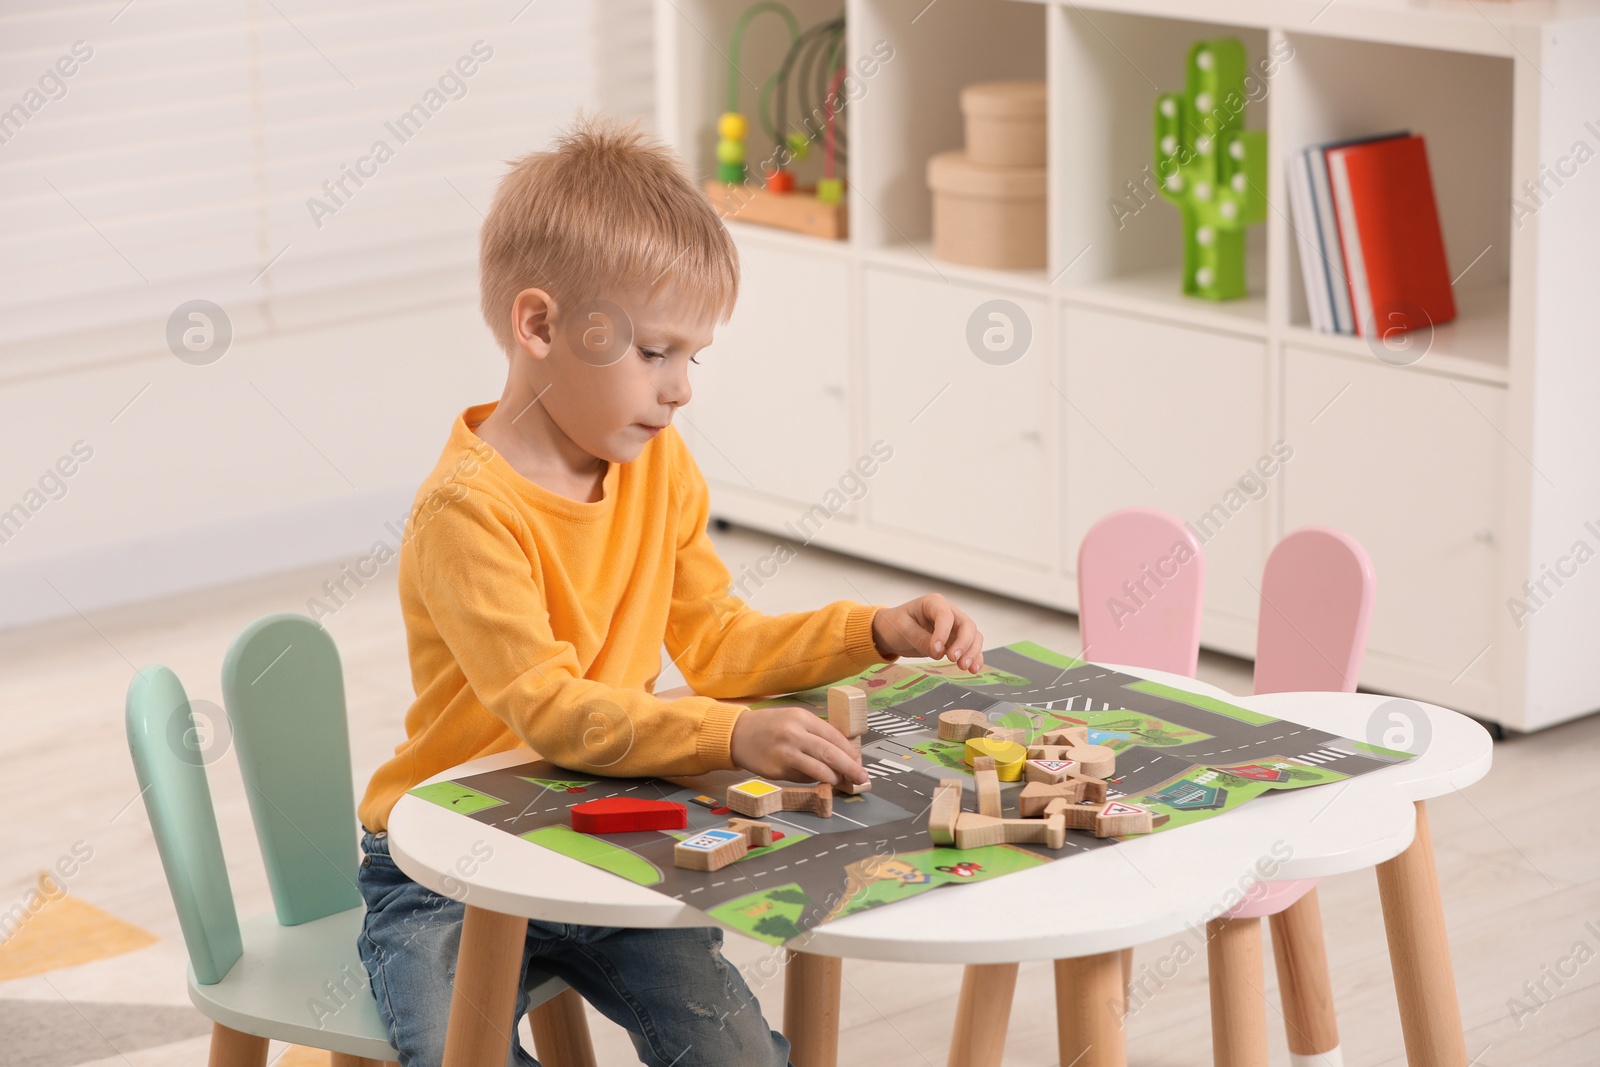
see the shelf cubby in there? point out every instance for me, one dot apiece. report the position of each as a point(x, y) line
point(912, 110)
point(1461, 104)
point(1113, 235)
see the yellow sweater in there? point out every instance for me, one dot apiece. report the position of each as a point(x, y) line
point(535, 619)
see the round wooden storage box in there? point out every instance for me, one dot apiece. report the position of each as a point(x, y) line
point(1005, 123)
point(987, 216)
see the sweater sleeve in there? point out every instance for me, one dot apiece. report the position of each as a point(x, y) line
point(481, 590)
point(727, 649)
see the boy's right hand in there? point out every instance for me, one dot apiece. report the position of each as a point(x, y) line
point(793, 745)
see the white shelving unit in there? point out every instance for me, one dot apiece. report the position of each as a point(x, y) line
point(1465, 474)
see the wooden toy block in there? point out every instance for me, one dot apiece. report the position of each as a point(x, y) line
point(958, 724)
point(1058, 806)
point(1035, 798)
point(850, 789)
point(1055, 830)
point(1095, 761)
point(1159, 818)
point(1048, 751)
point(1014, 734)
point(1049, 771)
point(944, 811)
point(1076, 735)
point(1024, 831)
point(755, 798)
point(1093, 788)
point(847, 710)
point(710, 850)
point(1008, 756)
point(977, 831)
point(986, 781)
point(756, 834)
point(1117, 818)
point(621, 815)
point(817, 799)
point(1081, 816)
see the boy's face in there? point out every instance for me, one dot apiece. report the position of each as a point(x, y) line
point(617, 369)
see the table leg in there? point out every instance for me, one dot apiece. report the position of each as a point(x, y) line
point(1419, 954)
point(561, 1031)
point(1301, 954)
point(982, 1013)
point(230, 1048)
point(811, 1008)
point(1238, 1002)
point(488, 967)
point(1091, 999)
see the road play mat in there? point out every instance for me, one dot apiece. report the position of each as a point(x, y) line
point(1183, 755)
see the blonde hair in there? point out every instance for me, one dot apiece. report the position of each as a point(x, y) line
point(605, 208)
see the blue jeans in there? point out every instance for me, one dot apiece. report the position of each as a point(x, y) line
point(681, 1002)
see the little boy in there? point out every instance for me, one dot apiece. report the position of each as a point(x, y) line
point(557, 545)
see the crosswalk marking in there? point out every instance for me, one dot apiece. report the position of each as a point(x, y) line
point(882, 769)
point(884, 723)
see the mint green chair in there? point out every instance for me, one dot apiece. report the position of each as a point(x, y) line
point(294, 976)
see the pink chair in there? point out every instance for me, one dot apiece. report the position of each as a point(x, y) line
point(1141, 579)
point(1316, 606)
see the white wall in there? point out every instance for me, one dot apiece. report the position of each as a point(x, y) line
point(139, 189)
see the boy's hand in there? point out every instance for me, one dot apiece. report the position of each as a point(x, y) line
point(929, 626)
point(793, 745)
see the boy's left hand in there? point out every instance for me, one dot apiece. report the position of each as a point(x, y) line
point(929, 626)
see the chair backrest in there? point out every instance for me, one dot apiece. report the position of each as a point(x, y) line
point(172, 780)
point(1141, 579)
point(285, 695)
point(1316, 606)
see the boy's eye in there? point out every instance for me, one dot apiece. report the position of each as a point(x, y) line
point(652, 353)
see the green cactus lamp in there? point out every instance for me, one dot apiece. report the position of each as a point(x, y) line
point(1212, 168)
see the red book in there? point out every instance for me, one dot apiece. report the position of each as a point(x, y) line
point(1389, 226)
point(622, 815)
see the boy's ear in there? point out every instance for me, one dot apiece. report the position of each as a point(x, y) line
point(533, 315)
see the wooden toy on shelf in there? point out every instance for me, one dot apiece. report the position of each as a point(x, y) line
point(710, 850)
point(621, 815)
point(814, 60)
point(847, 713)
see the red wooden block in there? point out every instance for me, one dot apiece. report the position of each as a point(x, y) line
point(621, 815)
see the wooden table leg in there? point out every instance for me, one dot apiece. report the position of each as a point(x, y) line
point(811, 1008)
point(1091, 999)
point(561, 1031)
point(1419, 954)
point(230, 1048)
point(982, 1013)
point(1301, 954)
point(1238, 1002)
point(488, 967)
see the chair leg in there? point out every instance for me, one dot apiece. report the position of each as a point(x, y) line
point(1238, 1005)
point(1127, 967)
point(483, 1002)
point(1091, 1000)
point(1419, 954)
point(811, 985)
point(561, 1031)
point(230, 1048)
point(1301, 956)
point(982, 1013)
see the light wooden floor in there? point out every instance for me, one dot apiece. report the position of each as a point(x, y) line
point(1523, 905)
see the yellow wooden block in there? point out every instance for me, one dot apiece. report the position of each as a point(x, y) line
point(1009, 757)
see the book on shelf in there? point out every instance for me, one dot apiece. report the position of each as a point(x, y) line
point(1389, 227)
point(1367, 229)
